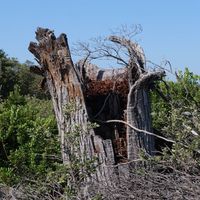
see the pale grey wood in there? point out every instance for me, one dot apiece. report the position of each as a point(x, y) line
point(68, 84)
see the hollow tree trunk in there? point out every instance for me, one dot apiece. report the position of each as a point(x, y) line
point(138, 103)
point(95, 95)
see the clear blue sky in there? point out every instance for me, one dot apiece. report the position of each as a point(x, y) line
point(171, 29)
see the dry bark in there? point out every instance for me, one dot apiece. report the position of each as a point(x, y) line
point(138, 105)
point(98, 95)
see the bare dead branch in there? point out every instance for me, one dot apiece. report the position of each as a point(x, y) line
point(139, 130)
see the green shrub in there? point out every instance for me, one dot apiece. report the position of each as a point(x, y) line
point(28, 136)
point(177, 116)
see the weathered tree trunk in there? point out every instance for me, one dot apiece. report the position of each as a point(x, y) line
point(63, 83)
point(97, 96)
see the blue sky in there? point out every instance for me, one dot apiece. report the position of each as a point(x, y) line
point(171, 29)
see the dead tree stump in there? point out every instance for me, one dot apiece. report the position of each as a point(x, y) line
point(97, 95)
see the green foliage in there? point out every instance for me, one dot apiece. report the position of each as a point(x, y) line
point(30, 83)
point(98, 197)
point(29, 146)
point(30, 150)
point(28, 138)
point(14, 73)
point(178, 115)
point(8, 69)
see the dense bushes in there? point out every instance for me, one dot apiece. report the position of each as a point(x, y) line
point(177, 115)
point(30, 147)
point(28, 136)
point(14, 73)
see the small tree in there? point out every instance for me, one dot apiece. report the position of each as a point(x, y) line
point(8, 68)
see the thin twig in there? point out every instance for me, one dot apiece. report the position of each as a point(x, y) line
point(149, 133)
point(140, 130)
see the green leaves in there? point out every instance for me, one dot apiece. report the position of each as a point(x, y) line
point(14, 73)
point(179, 117)
point(29, 137)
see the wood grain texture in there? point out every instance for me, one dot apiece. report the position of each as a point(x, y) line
point(98, 95)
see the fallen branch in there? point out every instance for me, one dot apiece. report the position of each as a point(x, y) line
point(147, 132)
point(140, 130)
